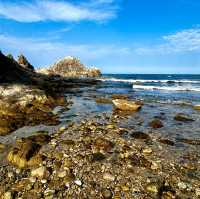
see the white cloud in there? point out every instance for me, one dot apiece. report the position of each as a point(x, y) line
point(180, 42)
point(60, 10)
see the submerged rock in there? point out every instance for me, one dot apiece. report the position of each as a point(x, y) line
point(183, 118)
point(167, 142)
point(140, 135)
point(156, 124)
point(126, 105)
point(101, 100)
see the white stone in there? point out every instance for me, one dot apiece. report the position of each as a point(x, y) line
point(78, 182)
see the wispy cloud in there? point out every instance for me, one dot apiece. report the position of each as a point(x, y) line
point(52, 50)
point(180, 42)
point(58, 10)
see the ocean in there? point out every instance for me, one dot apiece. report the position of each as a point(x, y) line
point(164, 88)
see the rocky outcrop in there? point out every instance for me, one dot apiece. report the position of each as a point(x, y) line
point(125, 105)
point(70, 67)
point(22, 105)
point(24, 63)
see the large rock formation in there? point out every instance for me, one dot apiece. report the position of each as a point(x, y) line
point(71, 67)
point(12, 72)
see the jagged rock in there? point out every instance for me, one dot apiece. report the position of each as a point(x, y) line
point(70, 67)
point(126, 105)
point(26, 151)
point(24, 62)
point(12, 72)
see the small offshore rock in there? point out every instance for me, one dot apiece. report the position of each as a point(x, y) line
point(183, 118)
point(125, 105)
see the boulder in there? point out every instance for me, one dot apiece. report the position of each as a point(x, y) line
point(26, 151)
point(125, 105)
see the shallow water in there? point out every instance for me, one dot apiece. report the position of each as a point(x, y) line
point(162, 104)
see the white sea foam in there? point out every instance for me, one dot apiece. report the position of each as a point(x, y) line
point(149, 81)
point(167, 88)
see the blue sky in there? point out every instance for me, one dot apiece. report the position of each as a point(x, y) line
point(118, 36)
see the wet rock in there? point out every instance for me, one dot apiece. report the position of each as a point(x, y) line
point(156, 124)
point(7, 195)
point(61, 174)
point(182, 185)
point(140, 135)
point(109, 177)
point(107, 194)
point(140, 161)
point(103, 144)
point(125, 105)
point(98, 157)
point(197, 107)
point(26, 151)
point(152, 187)
point(2, 146)
point(197, 192)
point(120, 96)
point(101, 100)
point(78, 182)
point(167, 142)
point(147, 151)
point(183, 118)
point(39, 172)
point(189, 141)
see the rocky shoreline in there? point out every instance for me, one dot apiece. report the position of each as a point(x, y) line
point(99, 159)
point(121, 153)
